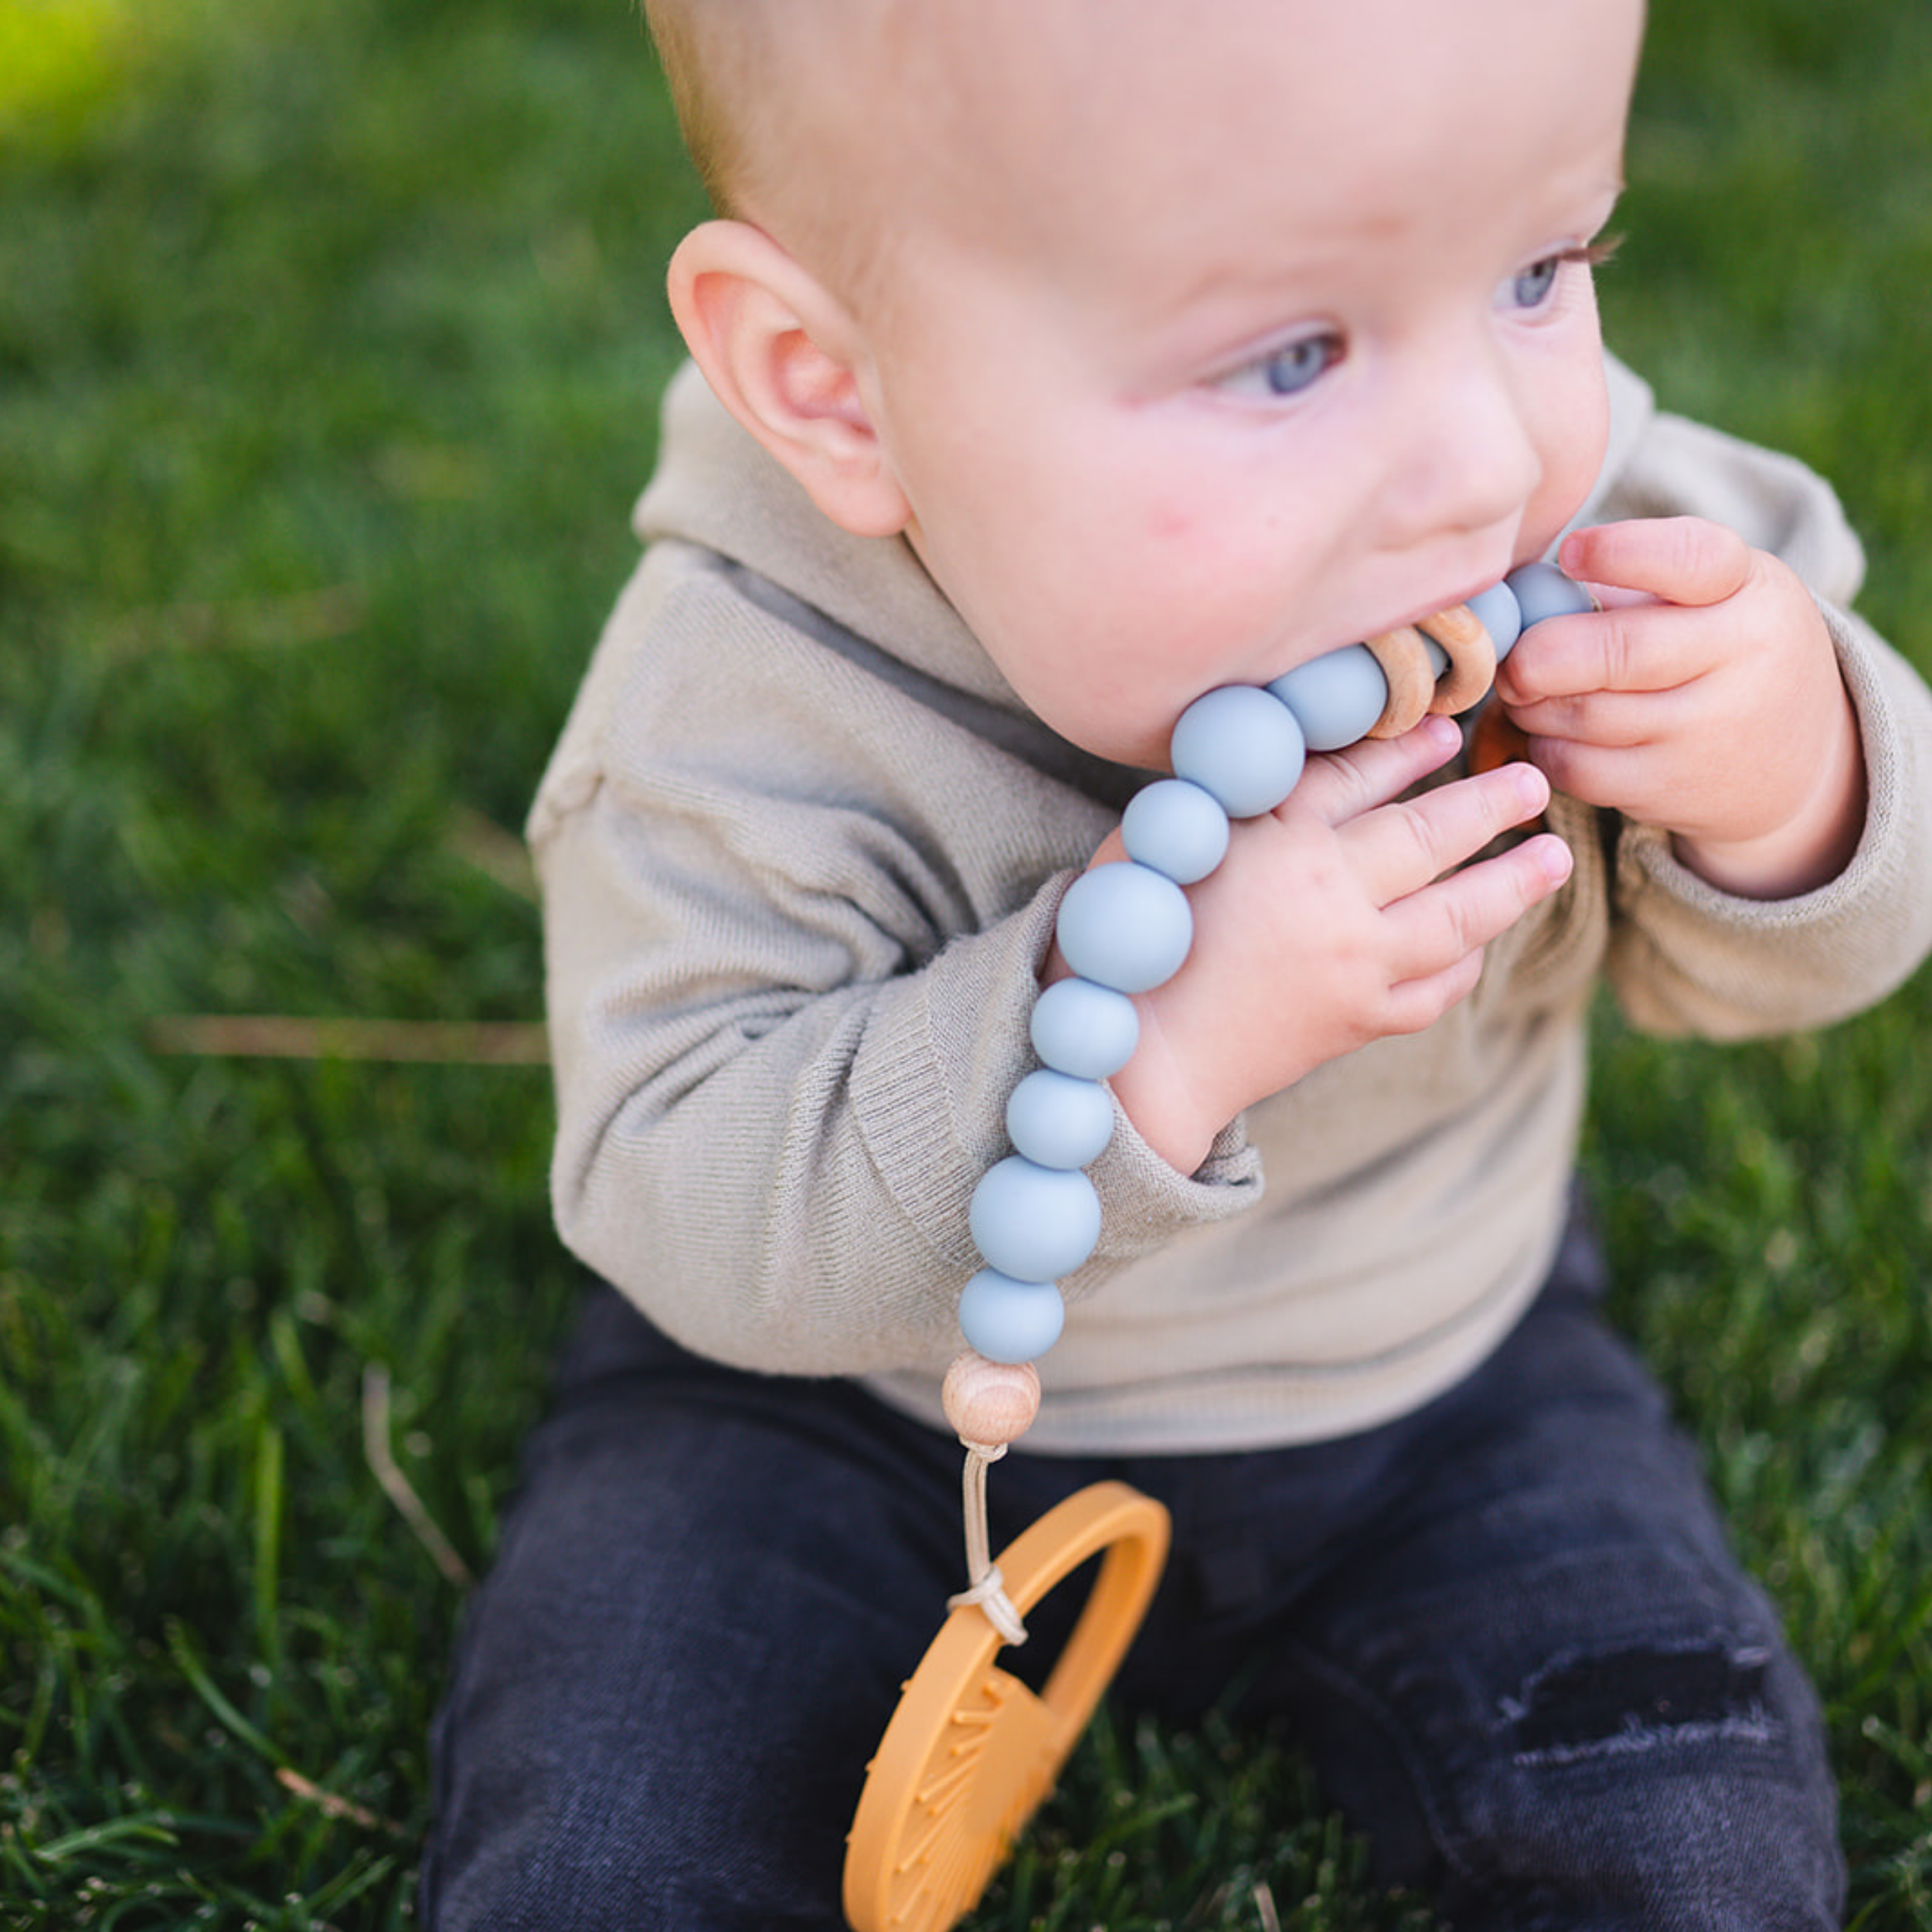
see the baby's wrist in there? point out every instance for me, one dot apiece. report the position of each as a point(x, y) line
point(1811, 848)
point(1158, 1090)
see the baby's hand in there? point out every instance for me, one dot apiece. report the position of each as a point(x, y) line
point(1707, 700)
point(1330, 923)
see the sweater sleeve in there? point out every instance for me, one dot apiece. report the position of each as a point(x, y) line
point(794, 920)
point(1685, 957)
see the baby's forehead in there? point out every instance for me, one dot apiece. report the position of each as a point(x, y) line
point(1018, 125)
point(938, 109)
point(963, 90)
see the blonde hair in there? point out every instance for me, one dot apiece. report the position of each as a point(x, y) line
point(757, 86)
point(702, 56)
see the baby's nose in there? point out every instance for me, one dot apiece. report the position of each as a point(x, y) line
point(1468, 458)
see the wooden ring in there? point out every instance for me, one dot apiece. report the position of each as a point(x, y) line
point(1403, 655)
point(1472, 658)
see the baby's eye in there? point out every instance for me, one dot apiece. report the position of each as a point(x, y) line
point(1529, 288)
point(1285, 371)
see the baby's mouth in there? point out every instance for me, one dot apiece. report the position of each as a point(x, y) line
point(1442, 606)
point(1442, 661)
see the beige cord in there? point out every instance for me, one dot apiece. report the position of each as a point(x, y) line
point(988, 1586)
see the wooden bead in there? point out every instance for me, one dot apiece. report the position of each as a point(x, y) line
point(1472, 659)
point(990, 1403)
point(1403, 656)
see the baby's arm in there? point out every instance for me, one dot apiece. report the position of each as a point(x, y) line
point(1335, 919)
point(1706, 701)
point(771, 1110)
point(792, 945)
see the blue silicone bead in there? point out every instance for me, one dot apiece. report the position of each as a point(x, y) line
point(1009, 1320)
point(1500, 615)
point(1058, 1122)
point(1125, 926)
point(1336, 697)
point(1542, 590)
point(1033, 1223)
point(1090, 1032)
point(1243, 745)
point(1177, 828)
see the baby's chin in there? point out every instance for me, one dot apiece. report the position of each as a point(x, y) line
point(1138, 740)
point(1110, 716)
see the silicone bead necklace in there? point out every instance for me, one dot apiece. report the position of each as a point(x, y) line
point(942, 1800)
point(1126, 929)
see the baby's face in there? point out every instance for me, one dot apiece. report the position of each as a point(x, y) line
point(1248, 330)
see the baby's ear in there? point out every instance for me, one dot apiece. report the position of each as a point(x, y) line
point(783, 354)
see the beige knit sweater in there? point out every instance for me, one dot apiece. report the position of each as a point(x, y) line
point(801, 849)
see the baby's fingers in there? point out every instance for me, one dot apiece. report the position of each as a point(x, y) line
point(1644, 650)
point(1343, 785)
point(1400, 847)
point(1442, 929)
point(1680, 560)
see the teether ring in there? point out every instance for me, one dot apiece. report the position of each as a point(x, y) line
point(1471, 669)
point(971, 1752)
point(1403, 656)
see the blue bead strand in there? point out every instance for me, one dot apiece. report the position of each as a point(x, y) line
point(1084, 1029)
point(1542, 590)
point(1499, 613)
point(1126, 928)
point(1335, 697)
point(1055, 1120)
point(1009, 1320)
point(1241, 745)
point(1176, 827)
point(1035, 1224)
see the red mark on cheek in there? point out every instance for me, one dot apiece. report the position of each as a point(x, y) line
point(1169, 523)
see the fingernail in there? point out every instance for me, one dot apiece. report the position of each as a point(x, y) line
point(1555, 859)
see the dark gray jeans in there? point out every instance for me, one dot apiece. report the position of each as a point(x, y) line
point(1506, 1629)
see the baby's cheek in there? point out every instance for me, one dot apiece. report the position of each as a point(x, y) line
point(1574, 439)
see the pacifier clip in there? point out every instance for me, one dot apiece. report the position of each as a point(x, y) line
point(970, 1751)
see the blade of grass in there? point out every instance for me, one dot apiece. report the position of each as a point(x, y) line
point(180, 1649)
point(150, 1828)
point(268, 1541)
point(396, 1485)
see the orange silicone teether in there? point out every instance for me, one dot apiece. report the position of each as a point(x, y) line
point(970, 1751)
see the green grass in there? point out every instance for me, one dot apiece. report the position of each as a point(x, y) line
point(329, 345)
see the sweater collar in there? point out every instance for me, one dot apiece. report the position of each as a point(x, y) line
point(714, 487)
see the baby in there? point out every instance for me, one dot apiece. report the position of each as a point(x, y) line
point(1058, 361)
